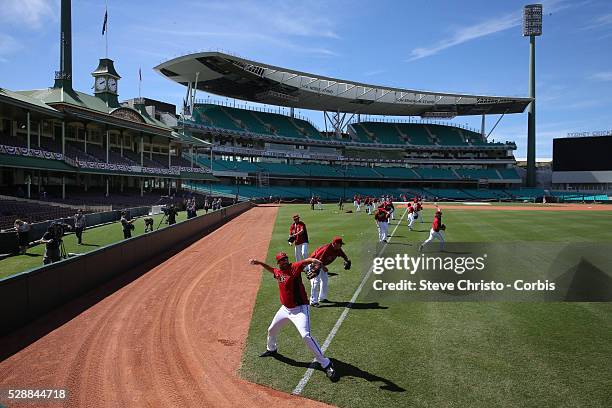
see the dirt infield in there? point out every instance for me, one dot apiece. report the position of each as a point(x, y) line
point(526, 207)
point(171, 338)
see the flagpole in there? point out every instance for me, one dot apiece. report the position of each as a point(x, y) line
point(106, 32)
point(139, 81)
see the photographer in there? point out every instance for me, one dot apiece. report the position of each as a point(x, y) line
point(171, 213)
point(79, 226)
point(126, 225)
point(53, 242)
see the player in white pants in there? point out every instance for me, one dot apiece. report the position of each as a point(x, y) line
point(382, 221)
point(411, 216)
point(294, 308)
point(298, 236)
point(326, 254)
point(436, 231)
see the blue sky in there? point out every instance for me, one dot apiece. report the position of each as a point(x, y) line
point(463, 46)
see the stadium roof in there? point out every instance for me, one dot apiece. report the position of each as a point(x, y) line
point(239, 78)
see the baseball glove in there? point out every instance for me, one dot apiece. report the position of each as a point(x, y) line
point(313, 272)
point(347, 265)
point(291, 239)
point(443, 227)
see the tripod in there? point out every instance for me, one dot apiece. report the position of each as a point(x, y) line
point(63, 254)
point(164, 218)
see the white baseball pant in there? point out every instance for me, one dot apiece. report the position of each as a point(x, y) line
point(410, 220)
point(300, 317)
point(318, 287)
point(301, 251)
point(437, 235)
point(383, 227)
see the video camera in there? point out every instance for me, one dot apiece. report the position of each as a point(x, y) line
point(166, 209)
point(57, 229)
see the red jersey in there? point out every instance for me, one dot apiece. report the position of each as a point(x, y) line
point(299, 228)
point(410, 209)
point(381, 215)
point(290, 286)
point(327, 254)
point(436, 224)
point(419, 207)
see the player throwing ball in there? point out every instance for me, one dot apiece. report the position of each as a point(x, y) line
point(326, 254)
point(294, 307)
point(436, 231)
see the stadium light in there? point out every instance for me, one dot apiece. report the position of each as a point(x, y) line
point(532, 28)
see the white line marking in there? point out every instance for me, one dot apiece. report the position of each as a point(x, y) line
point(300, 387)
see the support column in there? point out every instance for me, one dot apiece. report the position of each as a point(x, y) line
point(121, 139)
point(169, 181)
point(86, 176)
point(85, 138)
point(29, 130)
point(141, 149)
point(29, 185)
point(63, 187)
point(141, 187)
point(169, 155)
point(150, 147)
point(106, 186)
point(107, 146)
point(482, 127)
point(121, 183)
point(531, 119)
point(63, 138)
point(39, 130)
point(191, 156)
point(39, 182)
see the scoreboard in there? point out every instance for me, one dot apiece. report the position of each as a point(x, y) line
point(582, 153)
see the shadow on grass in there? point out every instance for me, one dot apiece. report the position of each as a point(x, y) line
point(371, 305)
point(345, 370)
point(91, 245)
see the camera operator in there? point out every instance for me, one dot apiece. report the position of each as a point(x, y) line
point(171, 213)
point(126, 225)
point(79, 226)
point(23, 235)
point(53, 242)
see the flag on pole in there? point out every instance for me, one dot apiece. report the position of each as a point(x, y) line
point(105, 22)
point(140, 74)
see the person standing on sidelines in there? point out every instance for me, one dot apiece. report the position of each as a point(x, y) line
point(341, 204)
point(79, 226)
point(382, 222)
point(326, 254)
point(298, 236)
point(294, 308)
point(436, 231)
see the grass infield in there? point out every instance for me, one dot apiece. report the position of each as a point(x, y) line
point(441, 354)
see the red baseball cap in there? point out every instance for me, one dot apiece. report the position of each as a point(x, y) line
point(281, 255)
point(337, 240)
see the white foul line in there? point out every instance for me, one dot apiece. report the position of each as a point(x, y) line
point(300, 387)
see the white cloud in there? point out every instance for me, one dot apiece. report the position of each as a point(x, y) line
point(482, 29)
point(604, 20)
point(8, 45)
point(31, 13)
point(602, 76)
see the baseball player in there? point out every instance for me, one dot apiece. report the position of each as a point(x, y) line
point(389, 207)
point(418, 209)
point(298, 236)
point(294, 307)
point(412, 215)
point(381, 215)
point(436, 231)
point(326, 254)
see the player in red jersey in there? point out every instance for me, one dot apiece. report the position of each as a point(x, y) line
point(298, 236)
point(294, 307)
point(381, 215)
point(436, 231)
point(412, 215)
point(326, 254)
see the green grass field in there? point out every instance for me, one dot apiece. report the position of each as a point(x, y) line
point(442, 354)
point(93, 239)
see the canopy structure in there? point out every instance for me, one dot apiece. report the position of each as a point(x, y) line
point(234, 77)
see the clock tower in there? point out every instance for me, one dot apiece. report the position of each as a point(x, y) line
point(105, 82)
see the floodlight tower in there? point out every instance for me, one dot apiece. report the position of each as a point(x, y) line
point(532, 27)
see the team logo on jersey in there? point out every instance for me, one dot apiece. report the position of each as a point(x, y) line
point(282, 278)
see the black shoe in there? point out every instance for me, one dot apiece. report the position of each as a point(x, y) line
point(315, 304)
point(268, 353)
point(331, 373)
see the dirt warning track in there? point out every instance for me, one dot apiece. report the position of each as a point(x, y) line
point(171, 338)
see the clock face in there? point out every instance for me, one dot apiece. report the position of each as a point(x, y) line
point(112, 84)
point(100, 84)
